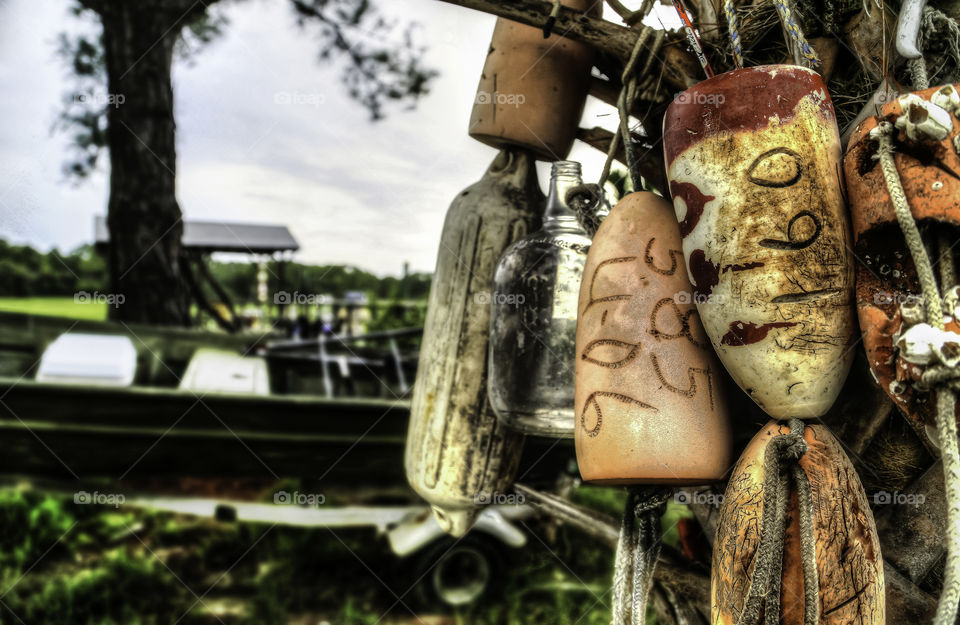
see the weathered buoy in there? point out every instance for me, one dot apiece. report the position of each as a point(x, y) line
point(849, 566)
point(532, 90)
point(926, 134)
point(649, 397)
point(458, 455)
point(753, 163)
point(533, 324)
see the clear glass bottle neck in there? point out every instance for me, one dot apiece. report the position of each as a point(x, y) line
point(564, 176)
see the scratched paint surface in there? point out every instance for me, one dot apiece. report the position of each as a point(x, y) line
point(757, 192)
point(849, 563)
point(930, 175)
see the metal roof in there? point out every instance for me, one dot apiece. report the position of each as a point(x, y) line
point(220, 236)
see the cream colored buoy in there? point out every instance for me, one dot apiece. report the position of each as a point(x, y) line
point(458, 456)
point(753, 163)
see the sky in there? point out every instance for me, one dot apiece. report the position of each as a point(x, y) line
point(368, 194)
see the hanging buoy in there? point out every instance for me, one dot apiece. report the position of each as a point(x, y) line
point(753, 163)
point(926, 132)
point(825, 524)
point(534, 318)
point(532, 90)
point(650, 406)
point(458, 456)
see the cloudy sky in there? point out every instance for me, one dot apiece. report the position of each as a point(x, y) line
point(367, 194)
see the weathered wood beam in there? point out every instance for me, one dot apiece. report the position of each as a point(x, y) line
point(605, 36)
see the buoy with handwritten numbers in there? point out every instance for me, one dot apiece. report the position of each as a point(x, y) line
point(650, 406)
point(753, 164)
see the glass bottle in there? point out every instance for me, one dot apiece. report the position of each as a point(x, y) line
point(533, 326)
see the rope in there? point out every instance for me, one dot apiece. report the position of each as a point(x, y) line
point(638, 549)
point(780, 469)
point(586, 198)
point(918, 73)
point(938, 27)
point(945, 380)
point(733, 30)
point(928, 283)
point(551, 19)
point(629, 16)
point(796, 34)
point(948, 274)
point(625, 103)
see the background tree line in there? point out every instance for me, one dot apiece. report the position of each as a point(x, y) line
point(27, 272)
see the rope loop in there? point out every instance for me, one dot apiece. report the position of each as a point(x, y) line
point(586, 201)
point(781, 468)
point(638, 550)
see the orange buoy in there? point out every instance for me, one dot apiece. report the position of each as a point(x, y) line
point(532, 90)
point(848, 563)
point(649, 403)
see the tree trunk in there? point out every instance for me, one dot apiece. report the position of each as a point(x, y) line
point(143, 216)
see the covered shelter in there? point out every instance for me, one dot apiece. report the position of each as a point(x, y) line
point(202, 238)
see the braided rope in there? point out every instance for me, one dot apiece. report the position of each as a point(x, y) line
point(793, 30)
point(638, 549)
point(928, 283)
point(780, 469)
point(734, 32)
point(945, 379)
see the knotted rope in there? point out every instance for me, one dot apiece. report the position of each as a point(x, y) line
point(942, 378)
point(638, 549)
point(780, 469)
point(588, 206)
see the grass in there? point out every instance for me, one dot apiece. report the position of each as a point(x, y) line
point(68, 564)
point(55, 307)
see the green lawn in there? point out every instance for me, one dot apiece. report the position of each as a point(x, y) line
point(55, 307)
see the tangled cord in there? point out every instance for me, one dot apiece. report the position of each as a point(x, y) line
point(937, 27)
point(780, 468)
point(638, 549)
point(941, 378)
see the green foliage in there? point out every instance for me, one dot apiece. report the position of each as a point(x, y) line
point(46, 283)
point(240, 281)
point(25, 271)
